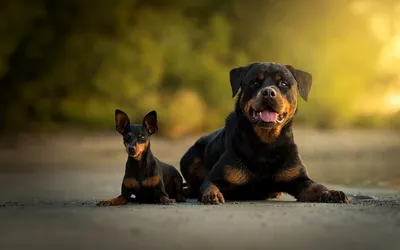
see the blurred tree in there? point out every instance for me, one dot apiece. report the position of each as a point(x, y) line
point(74, 62)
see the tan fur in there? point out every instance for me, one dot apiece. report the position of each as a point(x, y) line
point(235, 176)
point(288, 175)
point(151, 182)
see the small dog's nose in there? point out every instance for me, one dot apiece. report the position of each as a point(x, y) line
point(268, 93)
point(131, 150)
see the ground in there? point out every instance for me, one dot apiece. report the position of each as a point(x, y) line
point(49, 186)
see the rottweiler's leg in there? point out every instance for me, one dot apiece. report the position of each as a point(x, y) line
point(225, 176)
point(193, 170)
point(296, 182)
point(122, 199)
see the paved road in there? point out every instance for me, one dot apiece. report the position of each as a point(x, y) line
point(49, 186)
point(57, 211)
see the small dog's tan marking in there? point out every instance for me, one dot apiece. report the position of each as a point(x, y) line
point(140, 148)
point(151, 182)
point(131, 183)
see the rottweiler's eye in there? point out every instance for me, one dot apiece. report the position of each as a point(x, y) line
point(282, 84)
point(256, 83)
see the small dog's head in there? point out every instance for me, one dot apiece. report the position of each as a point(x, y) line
point(136, 137)
point(269, 92)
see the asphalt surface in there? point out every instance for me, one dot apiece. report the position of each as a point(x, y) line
point(50, 183)
point(58, 211)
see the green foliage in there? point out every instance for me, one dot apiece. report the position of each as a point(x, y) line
point(74, 62)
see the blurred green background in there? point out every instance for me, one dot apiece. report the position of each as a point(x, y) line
point(71, 63)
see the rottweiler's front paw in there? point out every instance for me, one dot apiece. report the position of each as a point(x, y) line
point(333, 196)
point(319, 193)
point(213, 196)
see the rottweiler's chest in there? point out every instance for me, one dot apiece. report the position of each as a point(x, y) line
point(263, 169)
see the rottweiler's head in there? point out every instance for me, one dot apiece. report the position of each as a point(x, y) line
point(269, 92)
point(136, 137)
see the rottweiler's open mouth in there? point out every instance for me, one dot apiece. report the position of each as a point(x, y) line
point(266, 116)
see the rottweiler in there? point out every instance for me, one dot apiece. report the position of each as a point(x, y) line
point(254, 156)
point(146, 177)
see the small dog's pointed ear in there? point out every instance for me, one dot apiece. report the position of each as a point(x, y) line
point(236, 76)
point(150, 122)
point(304, 79)
point(121, 121)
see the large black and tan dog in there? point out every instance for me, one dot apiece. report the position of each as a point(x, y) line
point(254, 156)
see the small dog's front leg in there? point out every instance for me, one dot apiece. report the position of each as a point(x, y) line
point(162, 197)
point(120, 200)
point(160, 194)
point(123, 199)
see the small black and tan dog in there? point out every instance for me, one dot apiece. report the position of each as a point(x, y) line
point(254, 156)
point(146, 177)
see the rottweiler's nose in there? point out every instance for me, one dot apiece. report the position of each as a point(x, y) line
point(268, 92)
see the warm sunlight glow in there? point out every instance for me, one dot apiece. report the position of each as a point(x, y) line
point(392, 101)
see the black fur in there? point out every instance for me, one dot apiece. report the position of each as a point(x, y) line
point(250, 158)
point(146, 177)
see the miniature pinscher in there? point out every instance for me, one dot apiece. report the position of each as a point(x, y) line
point(146, 177)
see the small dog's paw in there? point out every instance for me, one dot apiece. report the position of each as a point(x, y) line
point(104, 203)
point(213, 196)
point(180, 198)
point(333, 196)
point(113, 202)
point(166, 200)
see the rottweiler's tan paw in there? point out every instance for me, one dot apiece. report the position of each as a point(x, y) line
point(213, 196)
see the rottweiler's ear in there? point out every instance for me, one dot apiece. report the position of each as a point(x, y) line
point(236, 76)
point(304, 80)
point(150, 122)
point(121, 121)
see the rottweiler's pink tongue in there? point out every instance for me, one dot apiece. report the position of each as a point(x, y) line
point(268, 116)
